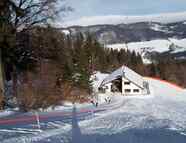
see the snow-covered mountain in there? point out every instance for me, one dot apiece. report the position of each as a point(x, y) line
point(122, 19)
point(146, 38)
point(135, 32)
point(164, 33)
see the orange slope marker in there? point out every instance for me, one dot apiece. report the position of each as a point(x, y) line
point(167, 82)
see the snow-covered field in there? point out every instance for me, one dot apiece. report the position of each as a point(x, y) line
point(150, 119)
point(160, 46)
point(150, 46)
point(6, 113)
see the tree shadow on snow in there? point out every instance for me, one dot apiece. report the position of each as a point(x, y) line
point(138, 136)
point(76, 132)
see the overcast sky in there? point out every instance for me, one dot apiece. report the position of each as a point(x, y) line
point(84, 8)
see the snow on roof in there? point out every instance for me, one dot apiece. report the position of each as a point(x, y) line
point(127, 73)
point(97, 79)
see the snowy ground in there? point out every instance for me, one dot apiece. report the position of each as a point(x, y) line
point(161, 45)
point(159, 118)
point(153, 45)
point(6, 113)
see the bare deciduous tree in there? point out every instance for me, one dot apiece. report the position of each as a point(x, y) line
point(21, 15)
point(26, 13)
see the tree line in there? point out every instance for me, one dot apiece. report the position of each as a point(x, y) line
point(18, 16)
point(46, 58)
point(53, 67)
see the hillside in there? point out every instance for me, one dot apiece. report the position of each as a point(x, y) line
point(175, 47)
point(134, 32)
point(143, 37)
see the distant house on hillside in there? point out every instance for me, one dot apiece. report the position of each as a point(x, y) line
point(126, 82)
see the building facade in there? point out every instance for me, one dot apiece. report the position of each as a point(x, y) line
point(125, 81)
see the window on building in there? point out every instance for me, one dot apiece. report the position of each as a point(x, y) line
point(136, 90)
point(127, 90)
point(127, 82)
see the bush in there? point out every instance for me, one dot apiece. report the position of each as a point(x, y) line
point(34, 97)
point(38, 90)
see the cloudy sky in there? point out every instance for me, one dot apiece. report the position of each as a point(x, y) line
point(84, 8)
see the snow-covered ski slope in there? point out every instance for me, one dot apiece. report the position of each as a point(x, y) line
point(159, 118)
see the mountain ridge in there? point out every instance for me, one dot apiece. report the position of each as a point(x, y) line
point(124, 19)
point(135, 32)
point(147, 38)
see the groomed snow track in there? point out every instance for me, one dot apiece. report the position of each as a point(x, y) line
point(160, 118)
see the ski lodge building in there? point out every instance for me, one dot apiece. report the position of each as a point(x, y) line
point(125, 81)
